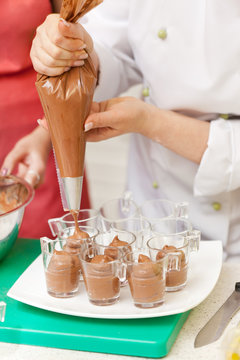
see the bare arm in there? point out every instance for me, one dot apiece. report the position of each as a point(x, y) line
point(184, 135)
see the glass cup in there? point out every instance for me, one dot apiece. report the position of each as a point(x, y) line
point(177, 247)
point(116, 209)
point(86, 217)
point(178, 226)
point(156, 209)
point(102, 276)
point(140, 227)
point(146, 278)
point(116, 243)
point(62, 269)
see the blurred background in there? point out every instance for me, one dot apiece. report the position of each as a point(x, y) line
point(106, 164)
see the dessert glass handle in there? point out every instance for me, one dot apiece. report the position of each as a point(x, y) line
point(181, 210)
point(122, 271)
point(55, 226)
point(2, 310)
point(194, 237)
point(173, 262)
point(127, 197)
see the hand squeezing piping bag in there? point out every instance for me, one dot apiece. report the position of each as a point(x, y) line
point(66, 100)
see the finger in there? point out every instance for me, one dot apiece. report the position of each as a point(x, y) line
point(98, 120)
point(76, 31)
point(101, 134)
point(33, 177)
point(50, 61)
point(60, 48)
point(50, 71)
point(11, 160)
point(43, 123)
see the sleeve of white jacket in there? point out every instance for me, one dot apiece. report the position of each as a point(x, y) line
point(219, 170)
point(108, 26)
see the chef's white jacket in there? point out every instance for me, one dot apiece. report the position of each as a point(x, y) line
point(186, 54)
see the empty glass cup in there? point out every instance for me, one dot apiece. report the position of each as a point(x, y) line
point(146, 278)
point(116, 209)
point(86, 217)
point(178, 226)
point(102, 275)
point(156, 209)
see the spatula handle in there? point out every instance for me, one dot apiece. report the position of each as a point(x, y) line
point(237, 286)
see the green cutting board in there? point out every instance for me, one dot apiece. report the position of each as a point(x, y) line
point(24, 324)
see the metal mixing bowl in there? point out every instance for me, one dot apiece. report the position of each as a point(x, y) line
point(15, 195)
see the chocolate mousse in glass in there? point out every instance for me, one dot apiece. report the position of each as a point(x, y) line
point(102, 275)
point(62, 269)
point(62, 262)
point(146, 278)
point(116, 243)
point(177, 248)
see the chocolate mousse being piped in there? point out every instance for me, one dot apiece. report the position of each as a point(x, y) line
point(174, 278)
point(147, 282)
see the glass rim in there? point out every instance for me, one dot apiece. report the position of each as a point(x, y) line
point(83, 227)
point(140, 251)
point(88, 262)
point(123, 231)
point(177, 247)
point(114, 200)
point(135, 218)
point(61, 218)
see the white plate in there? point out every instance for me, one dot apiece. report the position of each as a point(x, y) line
point(205, 267)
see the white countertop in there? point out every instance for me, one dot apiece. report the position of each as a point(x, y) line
point(183, 348)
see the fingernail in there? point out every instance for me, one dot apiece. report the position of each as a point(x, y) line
point(78, 63)
point(88, 126)
point(67, 68)
point(83, 47)
point(83, 56)
point(39, 122)
point(64, 22)
point(4, 171)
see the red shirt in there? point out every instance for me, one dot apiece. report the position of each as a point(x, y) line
point(20, 106)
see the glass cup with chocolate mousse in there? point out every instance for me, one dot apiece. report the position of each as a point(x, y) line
point(102, 274)
point(62, 269)
point(146, 278)
point(116, 243)
point(177, 247)
point(61, 259)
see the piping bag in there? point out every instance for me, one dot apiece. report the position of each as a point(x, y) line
point(66, 100)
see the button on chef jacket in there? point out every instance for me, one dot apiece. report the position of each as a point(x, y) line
point(194, 69)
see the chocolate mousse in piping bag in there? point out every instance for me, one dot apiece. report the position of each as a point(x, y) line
point(66, 100)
